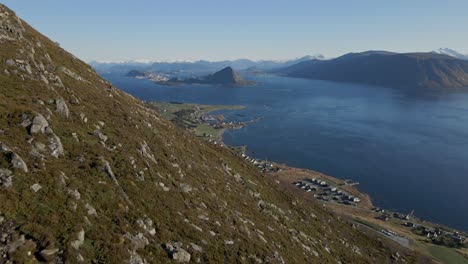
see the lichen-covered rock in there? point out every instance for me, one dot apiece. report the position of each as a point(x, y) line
point(6, 178)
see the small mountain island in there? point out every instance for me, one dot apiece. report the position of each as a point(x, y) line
point(427, 70)
point(226, 76)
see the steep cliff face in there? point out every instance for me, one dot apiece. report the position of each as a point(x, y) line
point(88, 174)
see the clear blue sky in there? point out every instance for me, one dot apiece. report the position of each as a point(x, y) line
point(257, 29)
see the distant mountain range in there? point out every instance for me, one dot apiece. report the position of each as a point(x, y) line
point(196, 67)
point(386, 69)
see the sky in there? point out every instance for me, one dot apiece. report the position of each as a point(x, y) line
point(121, 30)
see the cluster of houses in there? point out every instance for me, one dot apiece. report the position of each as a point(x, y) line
point(386, 215)
point(324, 191)
point(262, 165)
point(216, 122)
point(440, 236)
point(437, 235)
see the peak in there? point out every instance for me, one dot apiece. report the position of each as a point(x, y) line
point(228, 68)
point(224, 76)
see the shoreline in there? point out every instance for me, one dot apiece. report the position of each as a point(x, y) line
point(342, 197)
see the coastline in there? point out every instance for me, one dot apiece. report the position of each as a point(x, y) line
point(407, 230)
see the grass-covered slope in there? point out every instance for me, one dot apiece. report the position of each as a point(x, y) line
point(88, 174)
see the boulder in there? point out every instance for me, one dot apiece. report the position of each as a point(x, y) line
point(39, 124)
point(91, 210)
point(62, 108)
point(55, 144)
point(76, 244)
point(176, 252)
point(15, 160)
point(18, 163)
point(181, 255)
point(196, 247)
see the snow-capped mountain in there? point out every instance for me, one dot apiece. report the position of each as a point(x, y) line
point(451, 52)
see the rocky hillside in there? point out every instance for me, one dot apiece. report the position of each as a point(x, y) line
point(429, 70)
point(88, 174)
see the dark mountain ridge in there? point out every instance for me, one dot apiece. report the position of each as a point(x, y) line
point(387, 69)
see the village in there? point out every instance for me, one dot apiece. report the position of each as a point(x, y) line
point(327, 192)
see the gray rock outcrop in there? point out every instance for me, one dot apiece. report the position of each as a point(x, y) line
point(62, 108)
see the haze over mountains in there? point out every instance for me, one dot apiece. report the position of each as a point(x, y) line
point(201, 66)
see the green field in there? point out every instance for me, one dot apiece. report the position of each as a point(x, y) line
point(206, 130)
point(440, 253)
point(175, 112)
point(169, 109)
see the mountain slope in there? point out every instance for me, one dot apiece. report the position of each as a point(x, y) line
point(89, 174)
point(387, 69)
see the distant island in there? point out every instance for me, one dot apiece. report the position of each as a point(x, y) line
point(429, 70)
point(226, 76)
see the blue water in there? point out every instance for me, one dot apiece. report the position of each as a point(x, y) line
point(408, 150)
